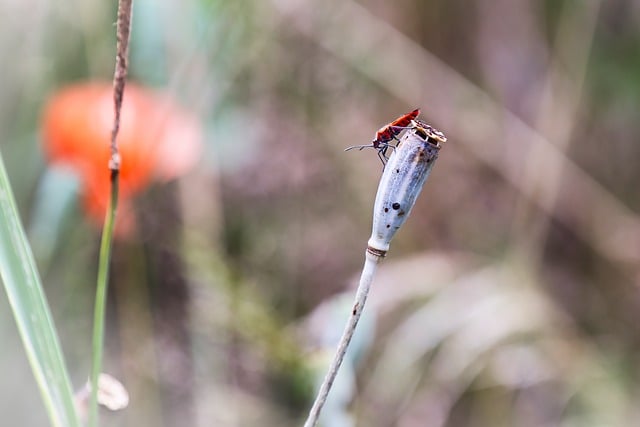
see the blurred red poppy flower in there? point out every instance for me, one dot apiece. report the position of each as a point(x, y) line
point(158, 140)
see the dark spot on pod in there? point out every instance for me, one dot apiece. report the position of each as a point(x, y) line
point(429, 160)
point(355, 309)
point(401, 213)
point(388, 225)
point(395, 206)
point(397, 170)
point(386, 209)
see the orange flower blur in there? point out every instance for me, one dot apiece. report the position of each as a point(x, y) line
point(157, 139)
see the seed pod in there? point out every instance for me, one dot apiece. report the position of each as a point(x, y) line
point(401, 182)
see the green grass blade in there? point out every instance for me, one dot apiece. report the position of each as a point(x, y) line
point(28, 302)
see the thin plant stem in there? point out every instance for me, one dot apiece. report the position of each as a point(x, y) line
point(101, 299)
point(119, 79)
point(366, 278)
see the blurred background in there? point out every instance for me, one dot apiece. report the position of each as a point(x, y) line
point(510, 297)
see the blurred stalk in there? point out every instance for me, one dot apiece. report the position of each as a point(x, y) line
point(557, 117)
point(119, 78)
point(477, 116)
point(31, 311)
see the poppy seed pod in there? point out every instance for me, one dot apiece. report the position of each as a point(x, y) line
point(404, 175)
point(401, 183)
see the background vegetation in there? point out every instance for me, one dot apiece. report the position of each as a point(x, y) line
point(511, 296)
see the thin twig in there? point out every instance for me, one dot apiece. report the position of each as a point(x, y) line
point(120, 74)
point(368, 271)
point(119, 78)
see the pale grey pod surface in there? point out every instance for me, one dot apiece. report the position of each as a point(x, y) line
point(401, 183)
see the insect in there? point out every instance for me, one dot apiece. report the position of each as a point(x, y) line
point(387, 133)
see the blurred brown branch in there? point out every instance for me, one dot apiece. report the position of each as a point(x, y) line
point(475, 119)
